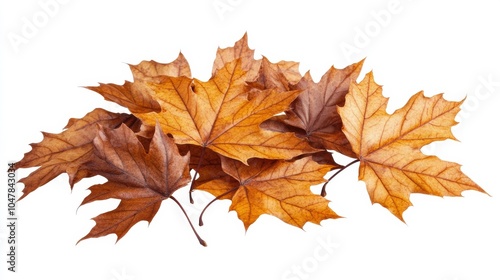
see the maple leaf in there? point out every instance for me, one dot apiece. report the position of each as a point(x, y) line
point(136, 96)
point(148, 69)
point(281, 75)
point(130, 95)
point(278, 188)
point(67, 151)
point(221, 115)
point(388, 146)
point(140, 179)
point(240, 51)
point(313, 115)
point(205, 162)
point(261, 72)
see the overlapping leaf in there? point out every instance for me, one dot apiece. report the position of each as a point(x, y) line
point(67, 151)
point(149, 69)
point(313, 115)
point(278, 188)
point(137, 97)
point(257, 132)
point(240, 51)
point(140, 179)
point(221, 115)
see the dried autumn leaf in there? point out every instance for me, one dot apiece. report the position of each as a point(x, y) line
point(281, 75)
point(148, 69)
point(133, 96)
point(67, 151)
point(136, 96)
point(205, 162)
point(278, 188)
point(220, 115)
point(388, 146)
point(140, 179)
point(313, 115)
point(261, 72)
point(240, 51)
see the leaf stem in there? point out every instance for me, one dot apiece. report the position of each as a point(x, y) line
point(202, 154)
point(200, 220)
point(202, 242)
point(323, 190)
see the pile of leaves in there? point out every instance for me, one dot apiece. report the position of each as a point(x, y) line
point(257, 133)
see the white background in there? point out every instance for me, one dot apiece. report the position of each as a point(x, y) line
point(449, 47)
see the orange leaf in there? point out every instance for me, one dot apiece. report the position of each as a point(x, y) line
point(261, 71)
point(240, 51)
point(388, 146)
point(129, 95)
point(148, 69)
point(137, 97)
point(221, 115)
point(278, 188)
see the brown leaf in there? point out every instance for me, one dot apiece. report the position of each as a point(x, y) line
point(67, 151)
point(278, 188)
point(313, 115)
point(388, 146)
point(219, 115)
point(141, 179)
point(281, 75)
point(208, 165)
